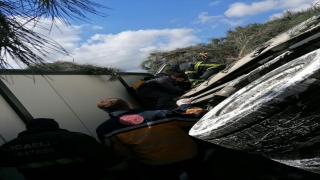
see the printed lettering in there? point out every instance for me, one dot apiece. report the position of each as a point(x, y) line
point(41, 144)
point(39, 151)
point(47, 150)
point(35, 145)
point(27, 146)
point(31, 151)
point(18, 147)
point(13, 154)
point(10, 148)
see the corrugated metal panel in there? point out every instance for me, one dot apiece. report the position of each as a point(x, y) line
point(42, 101)
point(10, 123)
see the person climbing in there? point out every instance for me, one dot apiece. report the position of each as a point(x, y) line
point(198, 72)
point(163, 89)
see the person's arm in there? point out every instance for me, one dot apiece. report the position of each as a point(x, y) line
point(169, 86)
point(118, 150)
point(96, 154)
point(185, 121)
point(121, 149)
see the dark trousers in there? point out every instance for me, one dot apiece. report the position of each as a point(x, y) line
point(194, 168)
point(211, 72)
point(162, 101)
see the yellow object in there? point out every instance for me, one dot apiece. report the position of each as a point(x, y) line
point(194, 110)
point(137, 84)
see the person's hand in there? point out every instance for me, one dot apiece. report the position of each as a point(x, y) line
point(184, 101)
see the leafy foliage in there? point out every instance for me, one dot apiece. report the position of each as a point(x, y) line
point(18, 18)
point(62, 66)
point(236, 44)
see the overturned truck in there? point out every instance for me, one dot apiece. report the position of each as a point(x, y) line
point(268, 102)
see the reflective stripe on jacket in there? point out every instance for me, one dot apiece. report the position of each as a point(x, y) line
point(195, 70)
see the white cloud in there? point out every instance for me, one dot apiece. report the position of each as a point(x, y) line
point(97, 27)
point(232, 22)
point(240, 9)
point(203, 18)
point(173, 21)
point(128, 49)
point(214, 3)
point(277, 15)
point(64, 35)
point(214, 26)
point(212, 21)
point(294, 8)
point(125, 50)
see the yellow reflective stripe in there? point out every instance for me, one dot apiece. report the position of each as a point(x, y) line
point(192, 80)
point(49, 163)
point(117, 167)
point(214, 66)
point(197, 81)
point(196, 67)
point(190, 72)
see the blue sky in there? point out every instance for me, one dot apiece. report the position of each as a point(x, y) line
point(134, 28)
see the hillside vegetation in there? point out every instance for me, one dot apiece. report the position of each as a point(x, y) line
point(237, 43)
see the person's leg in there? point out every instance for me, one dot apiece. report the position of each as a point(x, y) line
point(164, 172)
point(163, 98)
point(195, 168)
point(211, 72)
point(147, 103)
point(163, 101)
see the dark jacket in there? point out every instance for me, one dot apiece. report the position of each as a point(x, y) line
point(59, 154)
point(155, 137)
point(163, 84)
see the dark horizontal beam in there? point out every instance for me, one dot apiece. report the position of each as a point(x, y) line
point(49, 72)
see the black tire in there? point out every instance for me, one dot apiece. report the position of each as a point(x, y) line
point(307, 158)
point(276, 113)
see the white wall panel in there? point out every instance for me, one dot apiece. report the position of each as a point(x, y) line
point(1, 141)
point(10, 122)
point(119, 90)
point(81, 93)
point(42, 101)
point(69, 99)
